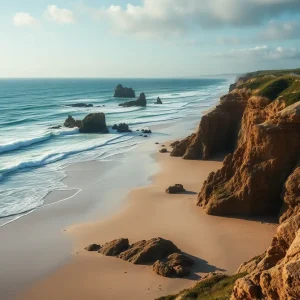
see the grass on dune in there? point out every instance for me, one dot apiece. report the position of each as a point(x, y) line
point(218, 287)
point(274, 84)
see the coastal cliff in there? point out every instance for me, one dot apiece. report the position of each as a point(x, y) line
point(258, 124)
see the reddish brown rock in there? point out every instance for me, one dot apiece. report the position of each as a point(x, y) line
point(145, 252)
point(175, 144)
point(163, 150)
point(175, 189)
point(251, 179)
point(291, 195)
point(179, 259)
point(218, 130)
point(114, 247)
point(279, 282)
point(93, 247)
point(163, 269)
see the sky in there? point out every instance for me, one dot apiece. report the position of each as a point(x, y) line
point(147, 38)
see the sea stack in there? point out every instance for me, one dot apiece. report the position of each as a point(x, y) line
point(94, 123)
point(124, 92)
point(158, 101)
point(141, 101)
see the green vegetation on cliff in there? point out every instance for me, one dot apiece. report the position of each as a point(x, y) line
point(282, 84)
point(218, 287)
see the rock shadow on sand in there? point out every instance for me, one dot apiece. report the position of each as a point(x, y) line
point(201, 266)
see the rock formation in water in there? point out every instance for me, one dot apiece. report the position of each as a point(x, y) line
point(158, 101)
point(72, 123)
point(94, 123)
point(124, 92)
point(80, 105)
point(141, 101)
point(122, 127)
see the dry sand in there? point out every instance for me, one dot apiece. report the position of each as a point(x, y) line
point(218, 244)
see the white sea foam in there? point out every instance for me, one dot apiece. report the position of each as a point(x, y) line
point(35, 140)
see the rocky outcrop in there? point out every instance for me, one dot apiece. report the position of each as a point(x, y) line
point(175, 189)
point(80, 105)
point(124, 92)
point(141, 101)
point(158, 101)
point(145, 252)
point(217, 131)
point(277, 274)
point(93, 248)
point(176, 265)
point(72, 123)
point(114, 247)
point(163, 150)
point(291, 195)
point(251, 179)
point(94, 123)
point(162, 269)
point(122, 127)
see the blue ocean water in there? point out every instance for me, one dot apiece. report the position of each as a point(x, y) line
point(32, 155)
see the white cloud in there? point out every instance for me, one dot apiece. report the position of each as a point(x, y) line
point(173, 17)
point(262, 53)
point(280, 31)
point(59, 15)
point(24, 19)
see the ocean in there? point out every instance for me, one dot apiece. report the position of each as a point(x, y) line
point(33, 156)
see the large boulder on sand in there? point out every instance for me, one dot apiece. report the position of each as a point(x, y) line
point(124, 92)
point(177, 265)
point(162, 269)
point(114, 247)
point(145, 252)
point(141, 101)
point(93, 247)
point(94, 123)
point(179, 259)
point(175, 189)
point(72, 123)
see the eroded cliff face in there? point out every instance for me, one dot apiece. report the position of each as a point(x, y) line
point(260, 176)
point(217, 131)
point(251, 179)
point(276, 274)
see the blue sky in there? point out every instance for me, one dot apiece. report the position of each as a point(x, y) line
point(147, 38)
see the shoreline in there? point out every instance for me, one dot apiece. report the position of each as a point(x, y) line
point(45, 247)
point(216, 243)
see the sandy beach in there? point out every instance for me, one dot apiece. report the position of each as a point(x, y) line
point(217, 244)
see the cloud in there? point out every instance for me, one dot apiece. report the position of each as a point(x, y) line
point(59, 15)
point(262, 53)
point(24, 19)
point(173, 17)
point(280, 31)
